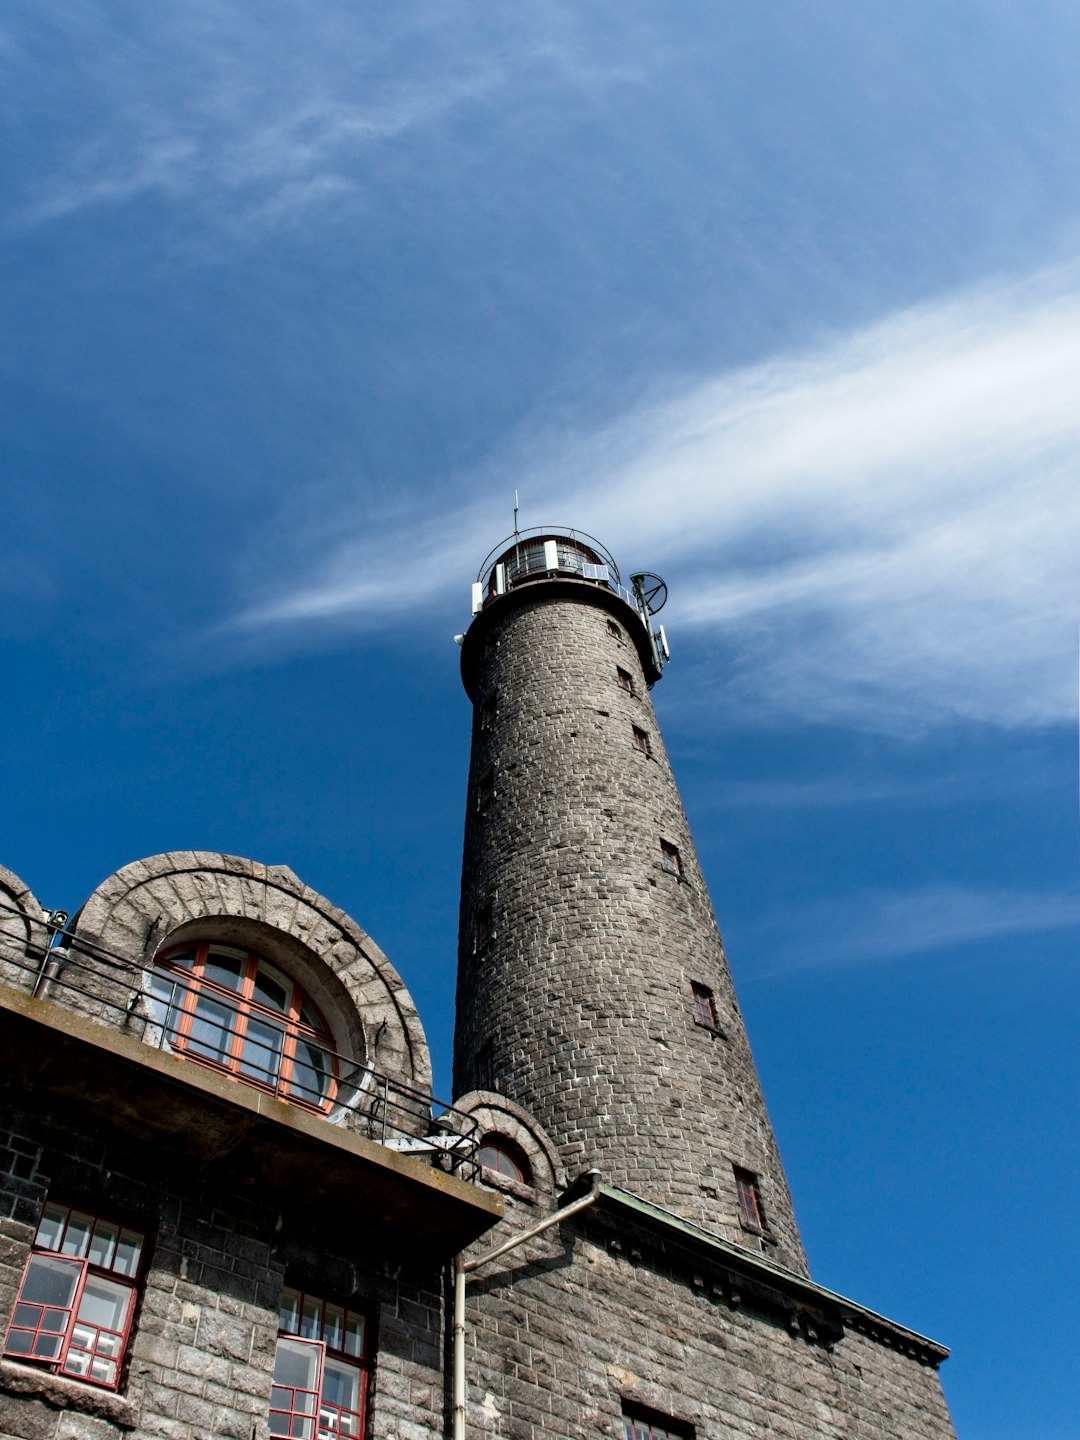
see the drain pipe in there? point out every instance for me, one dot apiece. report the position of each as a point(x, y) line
point(52, 962)
point(464, 1268)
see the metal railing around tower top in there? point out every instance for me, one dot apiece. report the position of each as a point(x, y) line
point(158, 1006)
point(546, 550)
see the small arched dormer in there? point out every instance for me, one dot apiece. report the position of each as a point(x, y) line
point(242, 969)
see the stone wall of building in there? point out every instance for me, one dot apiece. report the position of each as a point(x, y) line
point(595, 1320)
point(579, 947)
point(201, 1356)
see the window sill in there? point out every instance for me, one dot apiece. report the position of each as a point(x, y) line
point(765, 1236)
point(495, 1180)
point(64, 1394)
point(713, 1030)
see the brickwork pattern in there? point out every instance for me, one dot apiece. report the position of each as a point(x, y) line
point(580, 1003)
point(22, 932)
point(202, 1350)
point(563, 1333)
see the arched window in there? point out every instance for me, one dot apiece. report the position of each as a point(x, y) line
point(233, 1011)
point(497, 1153)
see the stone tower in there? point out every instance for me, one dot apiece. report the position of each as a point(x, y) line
point(593, 989)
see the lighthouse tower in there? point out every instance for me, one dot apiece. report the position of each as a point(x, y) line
point(593, 989)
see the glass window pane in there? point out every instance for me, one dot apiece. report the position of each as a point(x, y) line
point(53, 1220)
point(272, 988)
point(261, 1054)
point(128, 1252)
point(47, 1347)
point(103, 1371)
point(310, 1073)
point(354, 1335)
point(50, 1282)
point(333, 1327)
point(311, 1320)
point(289, 1315)
point(76, 1362)
point(211, 1029)
point(103, 1244)
point(77, 1234)
point(164, 1001)
point(341, 1384)
point(225, 967)
point(104, 1303)
point(297, 1366)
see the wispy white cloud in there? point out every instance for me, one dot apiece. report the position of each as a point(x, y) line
point(884, 530)
point(872, 926)
point(246, 122)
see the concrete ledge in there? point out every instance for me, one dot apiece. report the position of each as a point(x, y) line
point(60, 1393)
point(202, 1119)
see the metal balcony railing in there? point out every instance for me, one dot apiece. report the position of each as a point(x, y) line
point(524, 557)
point(288, 1061)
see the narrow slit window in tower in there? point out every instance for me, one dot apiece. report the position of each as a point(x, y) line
point(484, 1069)
point(670, 859)
point(485, 788)
point(641, 740)
point(751, 1210)
point(625, 679)
point(704, 1005)
point(487, 713)
point(482, 927)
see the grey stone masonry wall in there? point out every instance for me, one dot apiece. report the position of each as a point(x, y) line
point(594, 1317)
point(578, 946)
point(201, 1355)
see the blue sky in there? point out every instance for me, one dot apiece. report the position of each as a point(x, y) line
point(779, 300)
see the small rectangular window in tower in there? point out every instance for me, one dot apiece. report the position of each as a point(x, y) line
point(613, 629)
point(704, 1005)
point(670, 859)
point(487, 713)
point(751, 1210)
point(625, 679)
point(75, 1303)
point(642, 1424)
point(485, 789)
point(484, 1069)
point(641, 740)
point(481, 927)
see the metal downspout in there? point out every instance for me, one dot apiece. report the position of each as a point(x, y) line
point(463, 1268)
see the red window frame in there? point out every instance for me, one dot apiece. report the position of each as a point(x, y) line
point(65, 1333)
point(333, 1341)
point(751, 1210)
point(625, 679)
point(643, 1425)
point(670, 859)
point(296, 1045)
point(503, 1157)
point(641, 740)
point(704, 1005)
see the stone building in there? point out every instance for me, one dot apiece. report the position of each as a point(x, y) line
point(230, 1206)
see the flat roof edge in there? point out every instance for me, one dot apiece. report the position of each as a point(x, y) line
point(695, 1237)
